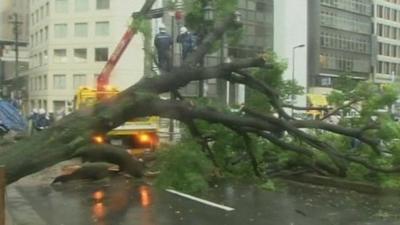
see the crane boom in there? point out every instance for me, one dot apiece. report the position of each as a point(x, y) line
point(104, 77)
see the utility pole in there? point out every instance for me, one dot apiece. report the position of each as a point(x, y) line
point(15, 22)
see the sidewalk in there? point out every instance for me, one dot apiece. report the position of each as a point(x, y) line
point(18, 210)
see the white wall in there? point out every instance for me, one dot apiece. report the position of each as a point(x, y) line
point(290, 29)
point(129, 69)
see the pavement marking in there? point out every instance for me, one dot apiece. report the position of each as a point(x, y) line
point(226, 208)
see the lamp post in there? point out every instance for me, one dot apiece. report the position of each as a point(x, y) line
point(293, 64)
point(15, 22)
point(208, 17)
point(176, 16)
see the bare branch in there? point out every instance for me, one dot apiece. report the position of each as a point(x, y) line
point(305, 108)
point(265, 89)
point(333, 112)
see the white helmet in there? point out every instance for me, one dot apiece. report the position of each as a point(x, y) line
point(42, 111)
point(183, 30)
point(161, 27)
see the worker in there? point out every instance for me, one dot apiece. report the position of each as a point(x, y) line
point(163, 44)
point(43, 120)
point(185, 38)
point(33, 118)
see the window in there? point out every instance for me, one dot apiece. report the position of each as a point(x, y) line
point(79, 80)
point(45, 82)
point(61, 6)
point(47, 9)
point(41, 12)
point(45, 58)
point(326, 81)
point(59, 81)
point(60, 30)
point(102, 28)
point(81, 29)
point(41, 35)
point(100, 54)
point(81, 5)
point(46, 32)
point(40, 83)
point(60, 55)
point(102, 4)
point(80, 55)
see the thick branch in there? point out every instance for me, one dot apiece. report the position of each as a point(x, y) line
point(265, 89)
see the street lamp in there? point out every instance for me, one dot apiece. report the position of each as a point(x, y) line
point(238, 16)
point(14, 20)
point(293, 64)
point(208, 12)
point(208, 17)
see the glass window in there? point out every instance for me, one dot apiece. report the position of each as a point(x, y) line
point(79, 80)
point(61, 6)
point(81, 29)
point(45, 58)
point(60, 55)
point(59, 81)
point(41, 12)
point(47, 9)
point(46, 32)
point(102, 4)
point(81, 5)
point(101, 54)
point(60, 30)
point(41, 35)
point(80, 55)
point(45, 82)
point(102, 28)
point(40, 83)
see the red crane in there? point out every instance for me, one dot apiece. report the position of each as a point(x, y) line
point(103, 79)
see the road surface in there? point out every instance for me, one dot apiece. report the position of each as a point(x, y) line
point(121, 201)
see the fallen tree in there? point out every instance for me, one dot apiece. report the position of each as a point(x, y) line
point(61, 141)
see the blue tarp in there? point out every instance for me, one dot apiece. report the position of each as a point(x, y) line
point(11, 117)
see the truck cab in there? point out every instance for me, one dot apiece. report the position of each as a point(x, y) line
point(139, 135)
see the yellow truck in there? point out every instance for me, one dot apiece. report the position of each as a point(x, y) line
point(138, 136)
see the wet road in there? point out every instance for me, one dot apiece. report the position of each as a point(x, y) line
point(134, 202)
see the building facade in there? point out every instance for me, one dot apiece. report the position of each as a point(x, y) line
point(14, 32)
point(386, 24)
point(70, 42)
point(340, 42)
point(324, 39)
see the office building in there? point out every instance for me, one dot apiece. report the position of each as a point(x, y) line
point(70, 42)
point(386, 24)
point(14, 28)
point(337, 38)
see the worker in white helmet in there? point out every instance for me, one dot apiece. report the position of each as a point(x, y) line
point(163, 44)
point(185, 38)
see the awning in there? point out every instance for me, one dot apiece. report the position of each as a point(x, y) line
point(317, 100)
